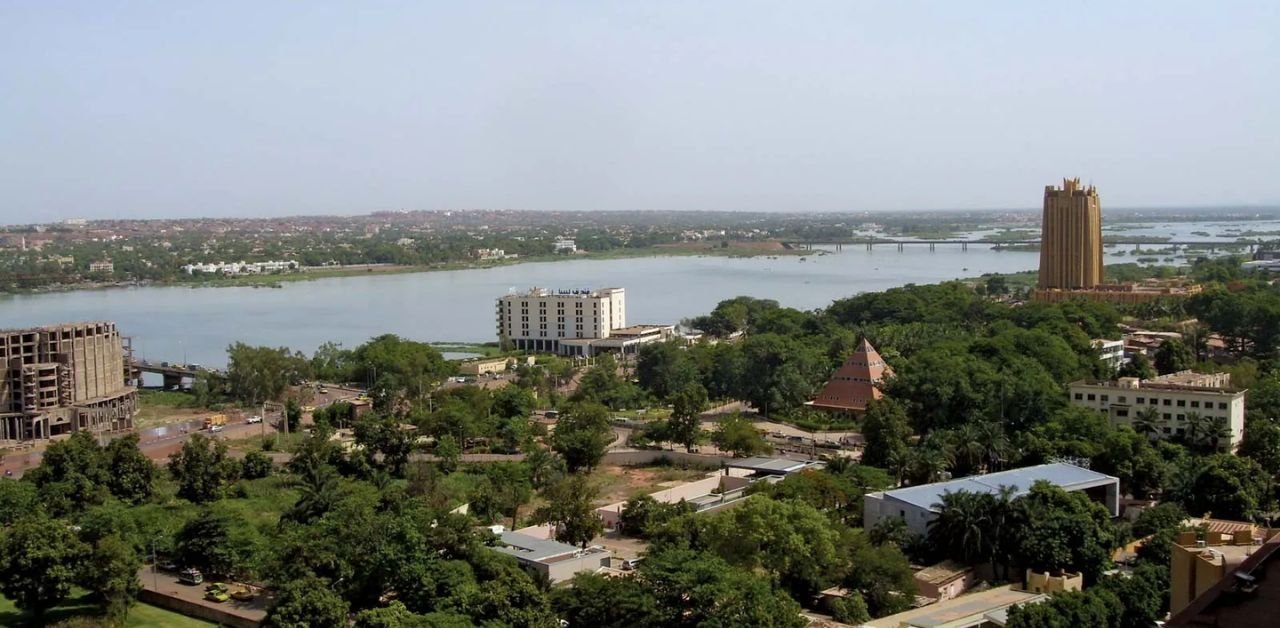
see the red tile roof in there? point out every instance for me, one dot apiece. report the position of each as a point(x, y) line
point(856, 382)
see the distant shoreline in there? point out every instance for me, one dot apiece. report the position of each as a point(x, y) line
point(741, 250)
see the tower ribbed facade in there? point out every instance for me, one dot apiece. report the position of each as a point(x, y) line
point(1071, 237)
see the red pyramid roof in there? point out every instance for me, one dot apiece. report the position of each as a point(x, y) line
point(856, 382)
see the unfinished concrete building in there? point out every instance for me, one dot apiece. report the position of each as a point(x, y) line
point(62, 379)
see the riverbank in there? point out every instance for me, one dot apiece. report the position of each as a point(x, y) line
point(311, 273)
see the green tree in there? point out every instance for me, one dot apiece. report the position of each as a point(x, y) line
point(71, 476)
point(740, 437)
point(397, 369)
point(111, 572)
point(18, 500)
point(1262, 444)
point(397, 616)
point(1138, 366)
point(256, 465)
point(643, 515)
point(132, 474)
point(881, 574)
point(851, 609)
point(449, 452)
point(595, 600)
point(40, 559)
point(257, 374)
point(509, 488)
point(1173, 355)
point(569, 507)
point(582, 435)
point(385, 444)
point(204, 543)
point(792, 540)
point(317, 493)
point(1226, 486)
point(1064, 531)
point(307, 603)
point(700, 589)
point(202, 468)
point(665, 368)
point(686, 405)
point(886, 431)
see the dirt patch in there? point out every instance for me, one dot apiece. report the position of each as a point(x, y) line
point(622, 483)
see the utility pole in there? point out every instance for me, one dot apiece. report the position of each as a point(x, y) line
point(155, 576)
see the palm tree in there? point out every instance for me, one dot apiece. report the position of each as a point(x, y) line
point(318, 493)
point(961, 529)
point(899, 460)
point(1145, 422)
point(1216, 434)
point(969, 449)
point(995, 444)
point(930, 462)
point(1197, 425)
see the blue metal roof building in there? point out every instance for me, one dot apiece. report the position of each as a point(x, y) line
point(915, 504)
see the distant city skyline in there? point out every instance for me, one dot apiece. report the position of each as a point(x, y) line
point(251, 109)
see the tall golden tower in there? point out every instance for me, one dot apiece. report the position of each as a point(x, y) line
point(1071, 237)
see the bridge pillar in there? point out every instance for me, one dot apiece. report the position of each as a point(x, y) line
point(899, 247)
point(869, 244)
point(172, 381)
point(838, 247)
point(931, 246)
point(964, 246)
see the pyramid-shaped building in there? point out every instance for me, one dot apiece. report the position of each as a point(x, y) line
point(855, 383)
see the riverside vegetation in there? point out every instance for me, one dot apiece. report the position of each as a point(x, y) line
point(365, 535)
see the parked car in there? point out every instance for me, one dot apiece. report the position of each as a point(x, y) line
point(243, 594)
point(323, 390)
point(257, 418)
point(631, 563)
point(190, 576)
point(216, 592)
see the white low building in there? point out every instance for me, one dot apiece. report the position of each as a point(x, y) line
point(918, 505)
point(1175, 397)
point(1111, 352)
point(553, 560)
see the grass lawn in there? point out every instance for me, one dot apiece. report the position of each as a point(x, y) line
point(140, 615)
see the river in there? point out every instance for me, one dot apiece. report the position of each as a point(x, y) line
point(195, 325)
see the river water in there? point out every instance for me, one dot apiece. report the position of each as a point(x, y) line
point(195, 325)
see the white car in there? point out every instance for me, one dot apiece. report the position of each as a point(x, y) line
point(254, 419)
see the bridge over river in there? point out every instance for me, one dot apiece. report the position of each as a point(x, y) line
point(173, 373)
point(997, 244)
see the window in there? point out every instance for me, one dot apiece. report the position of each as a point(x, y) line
point(1182, 403)
point(1122, 399)
point(1182, 417)
point(1091, 397)
point(1122, 413)
point(1222, 406)
point(1167, 402)
point(1104, 397)
point(1168, 417)
point(1168, 431)
point(1142, 400)
point(1195, 404)
point(1079, 396)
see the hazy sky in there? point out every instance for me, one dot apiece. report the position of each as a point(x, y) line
point(150, 109)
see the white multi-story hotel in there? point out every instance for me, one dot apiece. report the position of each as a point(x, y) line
point(1174, 397)
point(572, 322)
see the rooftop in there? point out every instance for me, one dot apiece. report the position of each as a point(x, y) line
point(773, 466)
point(973, 605)
point(942, 572)
point(533, 548)
point(1245, 598)
point(1067, 476)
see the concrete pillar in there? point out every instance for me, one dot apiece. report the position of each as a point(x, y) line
point(172, 381)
